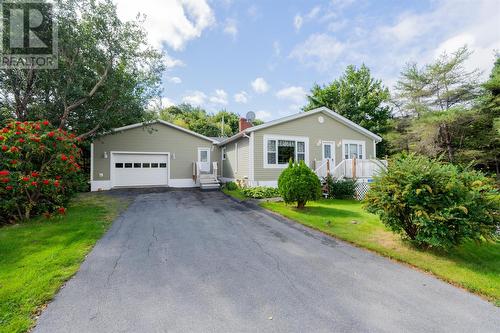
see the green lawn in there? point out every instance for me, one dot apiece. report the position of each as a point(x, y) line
point(235, 193)
point(474, 267)
point(38, 256)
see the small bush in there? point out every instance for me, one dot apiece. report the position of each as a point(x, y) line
point(39, 169)
point(299, 184)
point(231, 186)
point(340, 188)
point(260, 192)
point(434, 204)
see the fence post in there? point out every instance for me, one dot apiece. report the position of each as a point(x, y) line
point(354, 167)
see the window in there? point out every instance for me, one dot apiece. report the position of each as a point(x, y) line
point(145, 165)
point(224, 153)
point(137, 165)
point(301, 151)
point(163, 165)
point(118, 165)
point(203, 156)
point(271, 152)
point(154, 165)
point(279, 150)
point(286, 151)
point(128, 165)
point(354, 149)
point(327, 151)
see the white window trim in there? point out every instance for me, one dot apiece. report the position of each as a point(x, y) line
point(208, 154)
point(223, 150)
point(268, 137)
point(359, 142)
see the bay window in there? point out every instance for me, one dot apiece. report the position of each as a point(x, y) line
point(279, 150)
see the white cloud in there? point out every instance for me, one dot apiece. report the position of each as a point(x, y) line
point(263, 115)
point(231, 27)
point(313, 13)
point(241, 97)
point(297, 22)
point(260, 85)
point(219, 97)
point(174, 22)
point(172, 62)
point(174, 79)
point(445, 28)
point(166, 102)
point(295, 94)
point(319, 51)
point(196, 98)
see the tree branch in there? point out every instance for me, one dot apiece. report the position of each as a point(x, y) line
point(71, 107)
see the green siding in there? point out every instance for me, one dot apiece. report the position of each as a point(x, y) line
point(237, 167)
point(308, 126)
point(153, 138)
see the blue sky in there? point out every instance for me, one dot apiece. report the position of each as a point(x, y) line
point(264, 56)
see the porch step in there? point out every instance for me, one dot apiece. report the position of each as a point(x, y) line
point(209, 182)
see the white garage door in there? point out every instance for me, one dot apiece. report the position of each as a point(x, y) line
point(140, 169)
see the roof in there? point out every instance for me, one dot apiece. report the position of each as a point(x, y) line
point(218, 138)
point(322, 109)
point(166, 123)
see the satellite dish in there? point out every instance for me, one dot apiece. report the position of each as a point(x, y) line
point(250, 116)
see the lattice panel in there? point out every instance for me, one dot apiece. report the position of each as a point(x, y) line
point(361, 189)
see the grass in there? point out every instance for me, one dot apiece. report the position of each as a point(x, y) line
point(475, 267)
point(238, 194)
point(38, 256)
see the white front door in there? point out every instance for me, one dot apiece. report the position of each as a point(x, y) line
point(204, 159)
point(328, 148)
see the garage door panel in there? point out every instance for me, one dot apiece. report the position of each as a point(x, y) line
point(140, 169)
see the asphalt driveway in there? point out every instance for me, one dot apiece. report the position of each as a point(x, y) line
point(189, 261)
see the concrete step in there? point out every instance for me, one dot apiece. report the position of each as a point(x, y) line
point(211, 186)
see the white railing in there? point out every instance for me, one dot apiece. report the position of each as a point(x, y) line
point(352, 168)
point(214, 169)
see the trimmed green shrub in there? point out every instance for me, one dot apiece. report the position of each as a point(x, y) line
point(435, 204)
point(260, 192)
point(231, 186)
point(39, 170)
point(299, 184)
point(340, 188)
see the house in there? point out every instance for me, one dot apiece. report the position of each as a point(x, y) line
point(163, 154)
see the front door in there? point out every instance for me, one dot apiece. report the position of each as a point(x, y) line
point(204, 159)
point(328, 156)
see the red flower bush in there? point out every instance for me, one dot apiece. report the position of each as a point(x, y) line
point(39, 169)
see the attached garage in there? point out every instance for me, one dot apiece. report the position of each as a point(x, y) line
point(150, 154)
point(139, 169)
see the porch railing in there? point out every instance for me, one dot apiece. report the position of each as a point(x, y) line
point(352, 168)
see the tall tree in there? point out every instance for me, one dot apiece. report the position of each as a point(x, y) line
point(440, 96)
point(105, 78)
point(357, 96)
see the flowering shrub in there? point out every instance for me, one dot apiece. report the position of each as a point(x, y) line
point(39, 169)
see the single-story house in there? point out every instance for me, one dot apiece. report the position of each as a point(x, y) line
point(163, 154)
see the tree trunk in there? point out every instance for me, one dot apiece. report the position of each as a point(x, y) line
point(446, 137)
point(301, 204)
